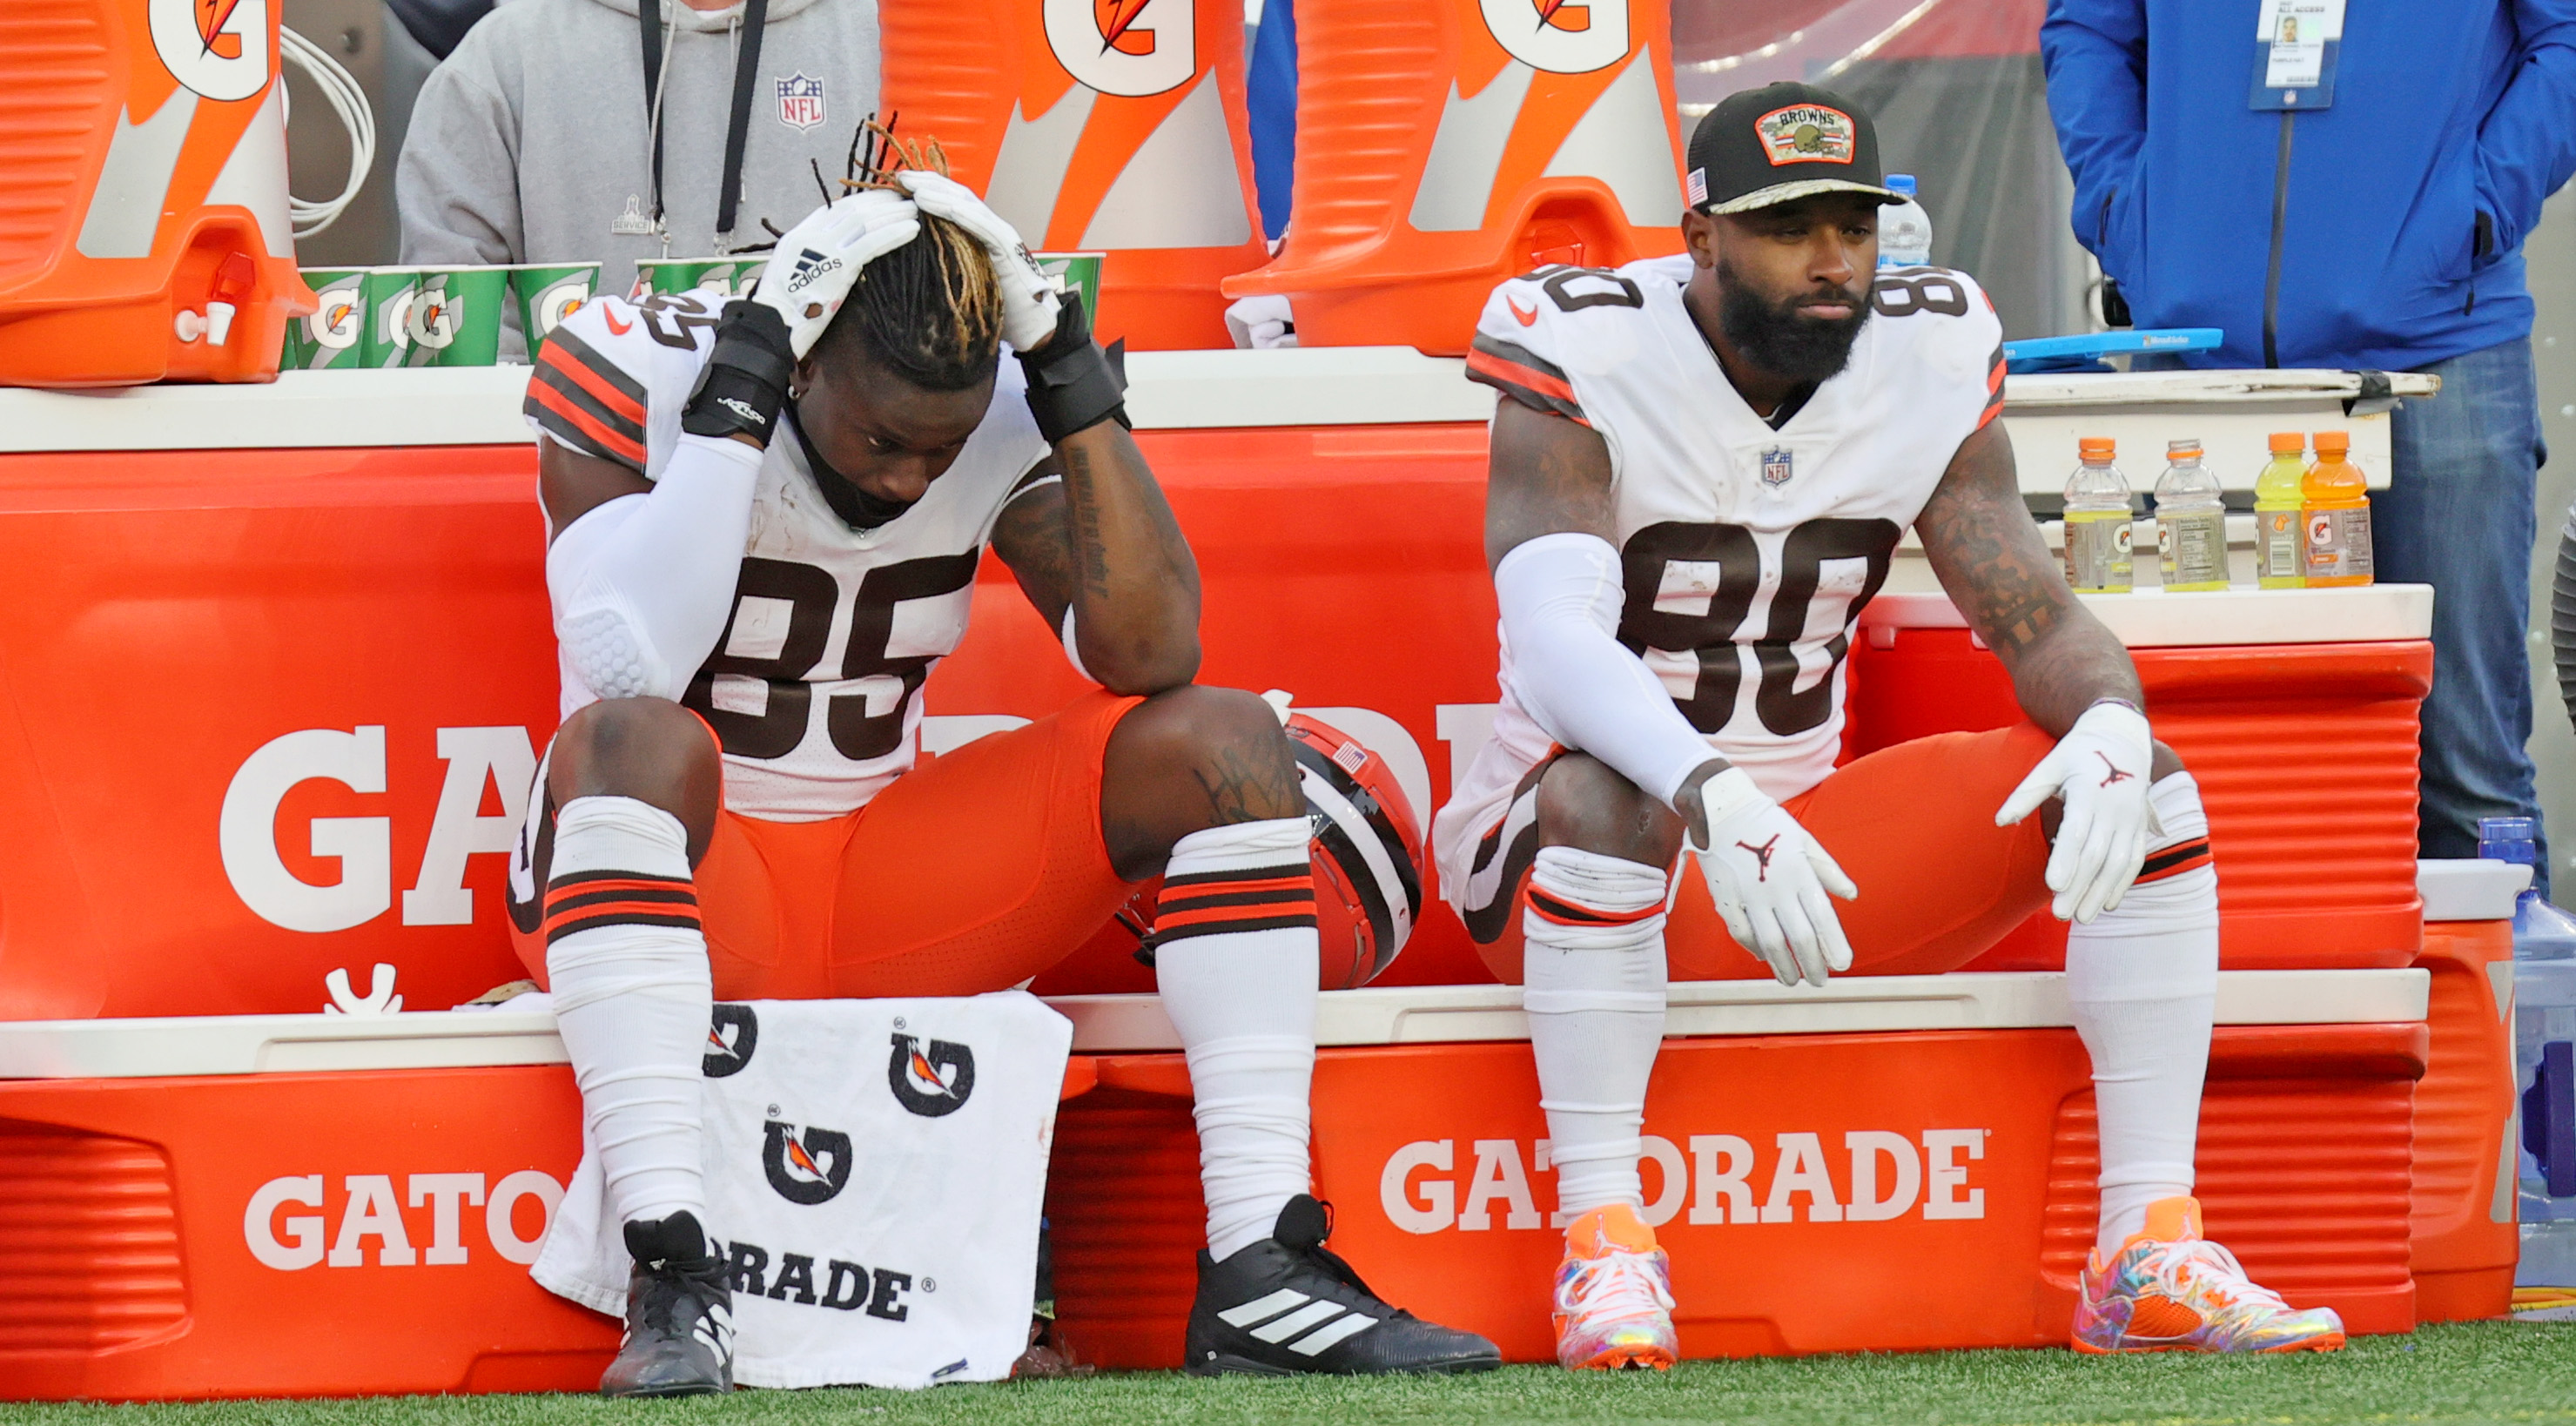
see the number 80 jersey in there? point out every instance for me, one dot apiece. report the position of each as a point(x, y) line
point(814, 688)
point(1748, 552)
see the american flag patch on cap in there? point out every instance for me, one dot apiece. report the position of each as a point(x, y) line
point(1698, 186)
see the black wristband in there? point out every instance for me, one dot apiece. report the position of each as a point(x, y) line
point(744, 382)
point(1072, 387)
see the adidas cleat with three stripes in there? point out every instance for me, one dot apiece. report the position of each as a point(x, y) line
point(679, 1314)
point(1286, 1305)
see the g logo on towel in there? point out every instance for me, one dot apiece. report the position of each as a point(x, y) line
point(808, 1168)
point(730, 1041)
point(930, 1082)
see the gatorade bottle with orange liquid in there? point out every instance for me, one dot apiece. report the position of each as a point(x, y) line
point(2278, 506)
point(143, 158)
point(2335, 518)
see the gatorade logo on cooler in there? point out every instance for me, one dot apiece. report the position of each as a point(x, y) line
point(1130, 47)
point(1560, 36)
point(217, 48)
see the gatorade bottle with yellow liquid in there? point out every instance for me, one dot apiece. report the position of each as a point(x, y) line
point(2097, 522)
point(2335, 537)
point(2278, 503)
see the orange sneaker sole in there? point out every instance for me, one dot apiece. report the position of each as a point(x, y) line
point(2334, 1343)
point(1626, 1359)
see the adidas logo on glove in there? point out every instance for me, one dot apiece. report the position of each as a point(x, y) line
point(809, 266)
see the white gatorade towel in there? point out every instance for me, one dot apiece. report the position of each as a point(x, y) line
point(875, 1170)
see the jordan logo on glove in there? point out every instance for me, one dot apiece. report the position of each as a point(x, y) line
point(1762, 856)
point(2116, 775)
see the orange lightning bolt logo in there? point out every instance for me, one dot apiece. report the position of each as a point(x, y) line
point(922, 1070)
point(796, 1155)
point(1579, 19)
point(211, 15)
point(1116, 16)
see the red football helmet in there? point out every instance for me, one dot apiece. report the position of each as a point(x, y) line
point(1367, 851)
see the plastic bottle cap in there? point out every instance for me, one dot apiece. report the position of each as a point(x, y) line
point(2288, 442)
point(2333, 442)
point(2095, 448)
point(2174, 450)
point(1901, 183)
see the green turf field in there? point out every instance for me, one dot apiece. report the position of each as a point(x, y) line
point(2502, 1372)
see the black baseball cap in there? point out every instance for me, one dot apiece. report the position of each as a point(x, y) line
point(1782, 142)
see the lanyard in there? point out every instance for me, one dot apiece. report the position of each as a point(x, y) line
point(755, 18)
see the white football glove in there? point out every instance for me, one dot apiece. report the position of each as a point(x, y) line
point(812, 269)
point(1029, 303)
point(2101, 767)
point(1769, 879)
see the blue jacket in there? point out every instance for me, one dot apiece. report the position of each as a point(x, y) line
point(2402, 207)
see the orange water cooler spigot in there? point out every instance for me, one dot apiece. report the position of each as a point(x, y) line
point(1108, 126)
point(144, 232)
point(1445, 145)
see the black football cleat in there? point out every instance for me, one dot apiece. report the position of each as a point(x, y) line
point(679, 1314)
point(1286, 1306)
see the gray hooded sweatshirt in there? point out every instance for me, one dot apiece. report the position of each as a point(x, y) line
point(532, 137)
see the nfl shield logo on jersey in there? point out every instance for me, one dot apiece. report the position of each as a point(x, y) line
point(1775, 468)
point(800, 101)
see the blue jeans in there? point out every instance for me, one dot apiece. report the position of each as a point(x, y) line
point(2458, 515)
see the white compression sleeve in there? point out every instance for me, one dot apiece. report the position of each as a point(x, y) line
point(643, 584)
point(1561, 596)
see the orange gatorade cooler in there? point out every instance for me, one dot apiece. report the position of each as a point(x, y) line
point(1108, 126)
point(1449, 144)
point(143, 174)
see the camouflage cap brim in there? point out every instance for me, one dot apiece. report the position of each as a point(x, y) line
point(1779, 193)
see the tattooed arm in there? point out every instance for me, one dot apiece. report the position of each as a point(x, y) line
point(1990, 558)
point(1103, 543)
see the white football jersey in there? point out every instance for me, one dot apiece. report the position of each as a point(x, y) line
point(814, 688)
point(1749, 552)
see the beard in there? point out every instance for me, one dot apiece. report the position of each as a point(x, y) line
point(1779, 338)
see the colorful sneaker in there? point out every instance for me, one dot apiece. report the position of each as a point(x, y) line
point(1614, 1295)
point(2171, 1290)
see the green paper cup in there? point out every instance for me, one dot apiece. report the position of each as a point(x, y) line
point(455, 317)
point(722, 276)
point(386, 295)
point(547, 293)
point(332, 337)
point(1075, 272)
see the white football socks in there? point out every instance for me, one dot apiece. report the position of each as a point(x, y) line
point(633, 996)
point(2144, 982)
point(1593, 986)
point(1235, 957)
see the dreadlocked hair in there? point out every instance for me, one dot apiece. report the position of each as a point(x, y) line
point(931, 310)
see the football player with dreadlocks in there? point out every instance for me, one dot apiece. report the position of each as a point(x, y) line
point(765, 530)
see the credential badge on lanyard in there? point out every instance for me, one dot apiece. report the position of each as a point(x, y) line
point(2295, 46)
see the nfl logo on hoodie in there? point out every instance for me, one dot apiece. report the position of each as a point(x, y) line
point(800, 101)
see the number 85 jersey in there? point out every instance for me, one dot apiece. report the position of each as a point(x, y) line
point(1748, 552)
point(814, 688)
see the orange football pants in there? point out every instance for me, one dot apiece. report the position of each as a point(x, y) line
point(1914, 827)
point(973, 872)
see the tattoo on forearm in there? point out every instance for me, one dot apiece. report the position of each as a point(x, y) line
point(1090, 542)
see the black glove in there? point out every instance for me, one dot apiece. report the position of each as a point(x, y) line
point(744, 382)
point(1072, 387)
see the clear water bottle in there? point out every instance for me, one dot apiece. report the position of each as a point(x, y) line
point(2191, 521)
point(2098, 516)
point(2544, 1060)
point(1904, 229)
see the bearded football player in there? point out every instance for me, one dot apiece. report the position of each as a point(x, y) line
point(1698, 480)
point(765, 530)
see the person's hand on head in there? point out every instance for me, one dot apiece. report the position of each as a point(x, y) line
point(812, 269)
point(1029, 301)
